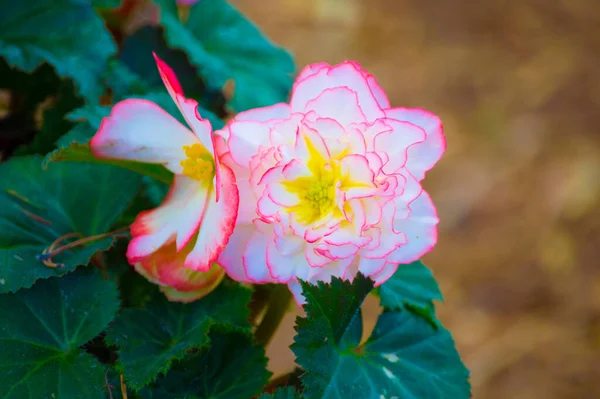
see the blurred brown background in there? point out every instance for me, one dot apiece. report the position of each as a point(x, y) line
point(517, 84)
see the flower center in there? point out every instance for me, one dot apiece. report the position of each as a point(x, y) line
point(317, 196)
point(199, 163)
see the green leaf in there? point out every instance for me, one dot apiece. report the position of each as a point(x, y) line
point(282, 393)
point(149, 339)
point(106, 3)
point(42, 330)
point(37, 207)
point(54, 122)
point(412, 285)
point(230, 368)
point(224, 45)
point(404, 357)
point(65, 33)
point(32, 88)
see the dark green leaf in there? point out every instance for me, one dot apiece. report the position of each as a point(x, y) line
point(123, 81)
point(65, 33)
point(151, 338)
point(412, 286)
point(54, 122)
point(42, 330)
point(37, 207)
point(31, 88)
point(404, 357)
point(282, 393)
point(224, 45)
point(230, 368)
point(106, 3)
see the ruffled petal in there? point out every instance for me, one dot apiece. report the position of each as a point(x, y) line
point(282, 267)
point(423, 156)
point(309, 70)
point(420, 228)
point(396, 143)
point(369, 267)
point(217, 225)
point(384, 274)
point(348, 75)
point(255, 258)
point(244, 139)
point(140, 130)
point(358, 178)
point(339, 103)
point(178, 218)
point(231, 257)
point(264, 114)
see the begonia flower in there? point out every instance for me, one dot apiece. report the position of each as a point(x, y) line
point(330, 182)
point(176, 244)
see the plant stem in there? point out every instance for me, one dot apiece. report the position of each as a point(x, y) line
point(279, 303)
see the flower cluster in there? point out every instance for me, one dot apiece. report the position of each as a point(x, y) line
point(330, 184)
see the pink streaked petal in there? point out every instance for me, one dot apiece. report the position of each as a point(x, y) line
point(423, 156)
point(244, 139)
point(369, 267)
point(187, 106)
point(420, 229)
point(339, 103)
point(182, 279)
point(347, 74)
point(264, 114)
point(168, 77)
point(179, 217)
point(140, 130)
point(396, 143)
point(217, 225)
point(189, 109)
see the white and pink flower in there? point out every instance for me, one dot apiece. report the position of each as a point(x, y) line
point(330, 183)
point(176, 244)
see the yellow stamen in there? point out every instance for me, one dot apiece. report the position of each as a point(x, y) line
point(199, 163)
point(317, 193)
